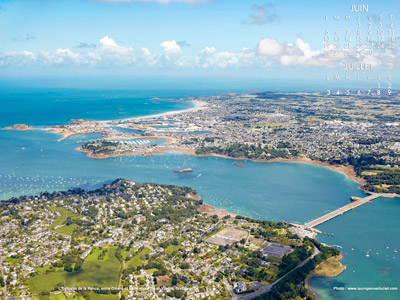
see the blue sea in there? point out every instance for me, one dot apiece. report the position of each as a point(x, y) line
point(33, 161)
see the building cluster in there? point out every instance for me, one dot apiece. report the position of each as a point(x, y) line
point(299, 124)
point(158, 236)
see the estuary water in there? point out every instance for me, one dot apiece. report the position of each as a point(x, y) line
point(33, 161)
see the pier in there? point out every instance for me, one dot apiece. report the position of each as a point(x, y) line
point(343, 209)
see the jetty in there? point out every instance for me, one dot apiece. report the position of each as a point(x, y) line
point(356, 202)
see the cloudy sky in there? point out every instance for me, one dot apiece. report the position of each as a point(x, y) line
point(183, 38)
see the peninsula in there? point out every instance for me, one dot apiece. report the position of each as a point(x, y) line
point(129, 240)
point(356, 135)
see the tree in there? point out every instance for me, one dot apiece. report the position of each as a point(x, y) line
point(68, 267)
point(174, 280)
point(78, 265)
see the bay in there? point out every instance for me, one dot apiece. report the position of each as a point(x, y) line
point(33, 161)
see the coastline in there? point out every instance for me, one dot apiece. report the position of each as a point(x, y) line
point(20, 127)
point(315, 273)
point(198, 105)
point(346, 170)
point(212, 211)
point(64, 132)
point(145, 152)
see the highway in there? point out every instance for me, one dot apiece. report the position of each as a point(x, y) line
point(269, 287)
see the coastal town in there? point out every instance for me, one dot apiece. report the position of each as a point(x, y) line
point(356, 135)
point(146, 241)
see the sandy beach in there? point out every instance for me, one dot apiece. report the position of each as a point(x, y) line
point(67, 133)
point(198, 105)
point(212, 211)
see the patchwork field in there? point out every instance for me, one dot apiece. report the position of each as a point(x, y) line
point(65, 214)
point(137, 260)
point(94, 273)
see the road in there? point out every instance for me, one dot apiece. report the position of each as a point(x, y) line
point(229, 288)
point(269, 287)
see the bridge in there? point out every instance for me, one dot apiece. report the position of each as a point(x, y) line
point(343, 209)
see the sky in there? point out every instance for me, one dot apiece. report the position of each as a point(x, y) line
point(183, 39)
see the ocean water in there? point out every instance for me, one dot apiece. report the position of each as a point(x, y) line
point(39, 107)
point(370, 239)
point(33, 161)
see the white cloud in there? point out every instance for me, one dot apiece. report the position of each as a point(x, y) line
point(269, 47)
point(298, 53)
point(17, 58)
point(208, 50)
point(267, 53)
point(146, 52)
point(113, 54)
point(171, 47)
point(209, 57)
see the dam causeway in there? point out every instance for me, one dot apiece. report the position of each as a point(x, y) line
point(353, 205)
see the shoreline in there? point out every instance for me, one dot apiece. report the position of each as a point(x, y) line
point(198, 104)
point(211, 210)
point(64, 132)
point(185, 151)
point(331, 275)
point(19, 127)
point(346, 170)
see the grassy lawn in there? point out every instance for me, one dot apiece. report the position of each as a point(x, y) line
point(94, 272)
point(65, 213)
point(42, 270)
point(60, 296)
point(137, 260)
point(46, 282)
point(94, 296)
point(280, 231)
point(171, 248)
point(67, 229)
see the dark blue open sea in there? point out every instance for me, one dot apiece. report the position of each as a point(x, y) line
point(33, 161)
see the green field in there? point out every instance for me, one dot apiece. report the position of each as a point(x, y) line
point(68, 230)
point(94, 273)
point(137, 260)
point(171, 248)
point(94, 296)
point(65, 213)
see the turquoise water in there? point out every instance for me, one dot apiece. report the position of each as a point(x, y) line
point(33, 161)
point(59, 106)
point(372, 229)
